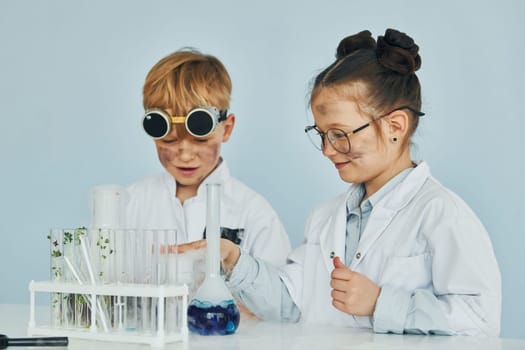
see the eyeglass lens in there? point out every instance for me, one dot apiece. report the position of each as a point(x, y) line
point(337, 138)
point(316, 138)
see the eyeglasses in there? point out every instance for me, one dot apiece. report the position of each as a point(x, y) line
point(339, 139)
point(199, 122)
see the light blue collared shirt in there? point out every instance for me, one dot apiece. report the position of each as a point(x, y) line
point(358, 212)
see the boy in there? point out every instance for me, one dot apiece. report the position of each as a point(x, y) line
point(186, 97)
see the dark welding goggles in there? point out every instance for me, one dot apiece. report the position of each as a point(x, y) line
point(199, 122)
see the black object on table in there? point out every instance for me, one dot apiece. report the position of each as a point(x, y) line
point(45, 341)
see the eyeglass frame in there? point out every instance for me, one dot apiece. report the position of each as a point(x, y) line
point(323, 134)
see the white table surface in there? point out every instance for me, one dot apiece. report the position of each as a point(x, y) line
point(254, 335)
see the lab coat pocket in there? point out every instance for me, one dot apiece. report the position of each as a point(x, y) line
point(407, 272)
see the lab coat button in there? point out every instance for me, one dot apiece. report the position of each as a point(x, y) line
point(358, 256)
point(332, 254)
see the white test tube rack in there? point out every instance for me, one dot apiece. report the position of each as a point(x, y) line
point(160, 292)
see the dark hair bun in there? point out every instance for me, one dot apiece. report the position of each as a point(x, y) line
point(398, 52)
point(352, 43)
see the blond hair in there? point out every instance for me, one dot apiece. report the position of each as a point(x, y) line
point(187, 79)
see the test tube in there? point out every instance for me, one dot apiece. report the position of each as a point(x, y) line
point(132, 259)
point(171, 307)
point(56, 268)
point(158, 274)
point(82, 314)
point(119, 302)
point(67, 300)
point(102, 253)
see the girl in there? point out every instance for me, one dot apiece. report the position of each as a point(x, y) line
point(397, 252)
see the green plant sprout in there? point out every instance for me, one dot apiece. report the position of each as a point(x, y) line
point(68, 237)
point(55, 252)
point(79, 232)
point(104, 244)
point(57, 271)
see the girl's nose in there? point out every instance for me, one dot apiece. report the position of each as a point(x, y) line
point(328, 149)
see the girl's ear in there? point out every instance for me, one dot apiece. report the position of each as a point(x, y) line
point(398, 122)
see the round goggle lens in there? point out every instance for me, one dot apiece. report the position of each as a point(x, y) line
point(155, 125)
point(200, 123)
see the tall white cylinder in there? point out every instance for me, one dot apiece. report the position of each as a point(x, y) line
point(213, 233)
point(107, 206)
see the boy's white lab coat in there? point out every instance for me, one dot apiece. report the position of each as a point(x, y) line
point(152, 205)
point(419, 236)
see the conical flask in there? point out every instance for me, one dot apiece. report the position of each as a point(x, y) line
point(213, 311)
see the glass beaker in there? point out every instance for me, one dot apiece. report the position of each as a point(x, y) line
point(213, 310)
point(107, 203)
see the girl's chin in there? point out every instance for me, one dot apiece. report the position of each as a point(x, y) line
point(350, 176)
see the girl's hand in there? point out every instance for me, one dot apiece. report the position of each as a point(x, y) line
point(352, 292)
point(230, 252)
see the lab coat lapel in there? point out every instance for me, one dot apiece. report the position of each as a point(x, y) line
point(333, 235)
point(383, 213)
point(379, 219)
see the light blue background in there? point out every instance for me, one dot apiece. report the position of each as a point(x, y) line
point(71, 75)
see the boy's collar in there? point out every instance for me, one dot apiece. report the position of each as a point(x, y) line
point(219, 174)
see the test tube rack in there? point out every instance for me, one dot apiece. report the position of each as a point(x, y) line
point(159, 293)
point(115, 285)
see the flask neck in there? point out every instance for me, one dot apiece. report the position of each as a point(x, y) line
point(213, 258)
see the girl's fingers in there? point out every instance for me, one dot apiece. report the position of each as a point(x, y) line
point(338, 295)
point(338, 284)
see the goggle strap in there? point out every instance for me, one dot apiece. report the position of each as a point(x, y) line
point(223, 115)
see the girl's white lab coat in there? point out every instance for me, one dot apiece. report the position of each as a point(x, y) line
point(420, 236)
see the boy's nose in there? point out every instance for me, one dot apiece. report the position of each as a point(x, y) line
point(186, 151)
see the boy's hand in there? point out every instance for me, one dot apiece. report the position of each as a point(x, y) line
point(230, 252)
point(186, 247)
point(352, 292)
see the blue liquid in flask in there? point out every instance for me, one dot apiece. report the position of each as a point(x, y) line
point(205, 318)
